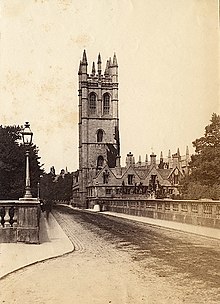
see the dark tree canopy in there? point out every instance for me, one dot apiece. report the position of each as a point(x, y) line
point(56, 187)
point(64, 187)
point(211, 138)
point(205, 164)
point(47, 187)
point(12, 164)
point(204, 180)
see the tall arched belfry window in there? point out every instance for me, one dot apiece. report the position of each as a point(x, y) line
point(106, 103)
point(92, 103)
point(99, 135)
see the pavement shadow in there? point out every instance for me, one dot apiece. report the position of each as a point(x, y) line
point(43, 235)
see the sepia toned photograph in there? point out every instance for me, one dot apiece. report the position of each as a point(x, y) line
point(109, 152)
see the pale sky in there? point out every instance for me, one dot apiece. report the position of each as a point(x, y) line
point(167, 53)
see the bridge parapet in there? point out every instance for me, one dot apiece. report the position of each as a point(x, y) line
point(19, 221)
point(195, 212)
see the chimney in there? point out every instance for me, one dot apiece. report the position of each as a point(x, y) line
point(130, 160)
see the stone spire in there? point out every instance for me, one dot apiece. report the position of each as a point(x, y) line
point(84, 66)
point(115, 63)
point(80, 68)
point(99, 65)
point(107, 68)
point(84, 60)
point(114, 70)
point(93, 69)
point(110, 66)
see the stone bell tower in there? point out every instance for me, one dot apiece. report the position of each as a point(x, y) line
point(98, 120)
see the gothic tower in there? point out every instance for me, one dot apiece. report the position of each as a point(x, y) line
point(98, 120)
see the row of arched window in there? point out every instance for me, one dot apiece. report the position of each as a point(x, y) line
point(93, 103)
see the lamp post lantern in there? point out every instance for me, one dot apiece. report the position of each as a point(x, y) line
point(27, 141)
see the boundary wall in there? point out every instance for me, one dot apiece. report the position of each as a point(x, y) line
point(196, 212)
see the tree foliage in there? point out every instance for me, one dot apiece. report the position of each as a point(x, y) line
point(12, 164)
point(204, 179)
point(56, 187)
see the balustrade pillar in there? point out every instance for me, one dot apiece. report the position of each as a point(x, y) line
point(19, 221)
point(7, 218)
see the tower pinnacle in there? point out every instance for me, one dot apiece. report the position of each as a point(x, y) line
point(93, 68)
point(99, 64)
point(115, 60)
point(80, 68)
point(84, 60)
point(106, 68)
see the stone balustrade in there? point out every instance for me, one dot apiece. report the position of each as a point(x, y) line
point(19, 221)
point(195, 212)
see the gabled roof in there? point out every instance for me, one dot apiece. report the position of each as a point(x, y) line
point(161, 174)
point(165, 173)
point(106, 167)
point(142, 172)
point(115, 171)
point(131, 170)
point(172, 170)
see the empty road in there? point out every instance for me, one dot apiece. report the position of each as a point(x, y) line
point(120, 261)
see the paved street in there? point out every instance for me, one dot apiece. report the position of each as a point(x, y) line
point(120, 261)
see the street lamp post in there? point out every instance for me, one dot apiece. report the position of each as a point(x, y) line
point(27, 141)
point(28, 209)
